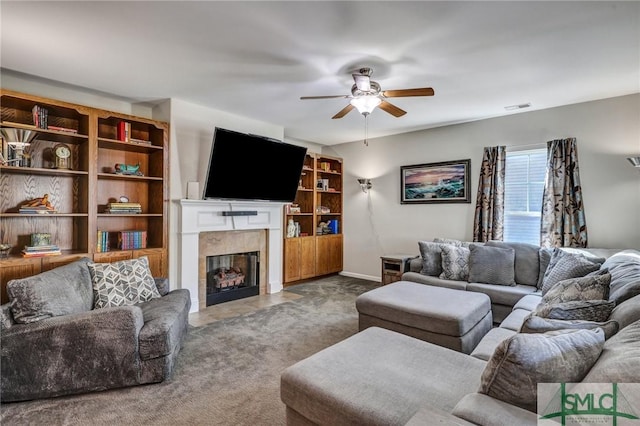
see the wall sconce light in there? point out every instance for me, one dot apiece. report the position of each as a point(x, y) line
point(365, 185)
point(635, 161)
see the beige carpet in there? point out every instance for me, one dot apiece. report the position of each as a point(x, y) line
point(228, 372)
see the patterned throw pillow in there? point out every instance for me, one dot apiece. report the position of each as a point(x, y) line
point(590, 287)
point(563, 266)
point(455, 263)
point(450, 241)
point(535, 324)
point(586, 310)
point(126, 282)
point(522, 361)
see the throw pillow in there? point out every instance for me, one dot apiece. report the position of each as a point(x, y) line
point(60, 291)
point(522, 361)
point(589, 287)
point(536, 324)
point(620, 358)
point(527, 263)
point(491, 265)
point(586, 310)
point(544, 257)
point(431, 258)
point(126, 282)
point(564, 265)
point(457, 243)
point(455, 263)
point(624, 267)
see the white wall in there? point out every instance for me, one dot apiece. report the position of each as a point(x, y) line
point(607, 131)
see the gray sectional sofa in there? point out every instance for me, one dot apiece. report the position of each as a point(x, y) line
point(383, 377)
point(55, 342)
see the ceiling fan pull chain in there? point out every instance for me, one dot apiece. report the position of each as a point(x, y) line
point(366, 129)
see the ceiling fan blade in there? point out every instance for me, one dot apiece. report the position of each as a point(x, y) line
point(424, 91)
point(324, 97)
point(363, 82)
point(344, 111)
point(392, 109)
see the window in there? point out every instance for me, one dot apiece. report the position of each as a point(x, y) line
point(524, 184)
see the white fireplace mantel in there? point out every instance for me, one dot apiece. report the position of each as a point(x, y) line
point(198, 216)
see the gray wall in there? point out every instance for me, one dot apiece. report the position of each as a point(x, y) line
point(607, 131)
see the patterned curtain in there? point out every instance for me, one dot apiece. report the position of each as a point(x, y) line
point(563, 223)
point(488, 223)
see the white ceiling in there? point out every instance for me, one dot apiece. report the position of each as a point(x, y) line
point(256, 59)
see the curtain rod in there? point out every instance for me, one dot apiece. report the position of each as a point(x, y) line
point(537, 145)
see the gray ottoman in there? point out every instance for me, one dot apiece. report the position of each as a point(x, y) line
point(454, 319)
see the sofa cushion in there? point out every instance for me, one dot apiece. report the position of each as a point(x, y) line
point(620, 358)
point(624, 268)
point(520, 362)
point(487, 346)
point(434, 281)
point(536, 324)
point(455, 263)
point(514, 320)
point(60, 291)
point(544, 257)
point(528, 302)
point(481, 409)
point(563, 266)
point(491, 265)
point(590, 287)
point(527, 262)
point(431, 258)
point(126, 282)
point(500, 294)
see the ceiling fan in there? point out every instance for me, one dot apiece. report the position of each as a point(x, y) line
point(366, 95)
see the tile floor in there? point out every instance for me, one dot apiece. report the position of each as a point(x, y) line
point(238, 307)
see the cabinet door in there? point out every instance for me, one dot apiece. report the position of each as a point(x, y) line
point(14, 268)
point(157, 261)
point(307, 257)
point(51, 262)
point(112, 256)
point(328, 254)
point(292, 259)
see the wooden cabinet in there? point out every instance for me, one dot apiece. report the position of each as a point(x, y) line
point(315, 248)
point(80, 194)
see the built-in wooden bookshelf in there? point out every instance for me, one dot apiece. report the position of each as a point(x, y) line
point(315, 250)
point(81, 193)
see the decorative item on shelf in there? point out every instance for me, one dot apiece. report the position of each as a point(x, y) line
point(322, 184)
point(291, 229)
point(128, 169)
point(40, 205)
point(333, 226)
point(62, 156)
point(40, 239)
point(323, 228)
point(325, 166)
point(16, 140)
point(293, 208)
point(5, 249)
point(365, 184)
point(323, 210)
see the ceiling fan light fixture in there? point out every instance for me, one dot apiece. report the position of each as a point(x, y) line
point(365, 104)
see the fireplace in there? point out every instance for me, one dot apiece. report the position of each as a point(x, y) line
point(232, 276)
point(210, 228)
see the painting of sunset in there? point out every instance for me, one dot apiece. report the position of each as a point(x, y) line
point(436, 182)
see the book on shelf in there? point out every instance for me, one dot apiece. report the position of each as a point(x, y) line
point(40, 116)
point(50, 247)
point(123, 131)
point(102, 242)
point(140, 141)
point(62, 129)
point(123, 208)
point(37, 210)
point(132, 240)
point(39, 251)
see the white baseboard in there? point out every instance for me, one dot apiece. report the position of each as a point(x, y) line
point(361, 276)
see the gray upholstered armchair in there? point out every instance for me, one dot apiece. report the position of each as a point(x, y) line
point(55, 343)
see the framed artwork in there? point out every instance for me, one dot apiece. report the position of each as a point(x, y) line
point(444, 182)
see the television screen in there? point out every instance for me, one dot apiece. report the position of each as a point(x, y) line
point(250, 167)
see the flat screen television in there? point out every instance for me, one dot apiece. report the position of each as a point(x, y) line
point(250, 167)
